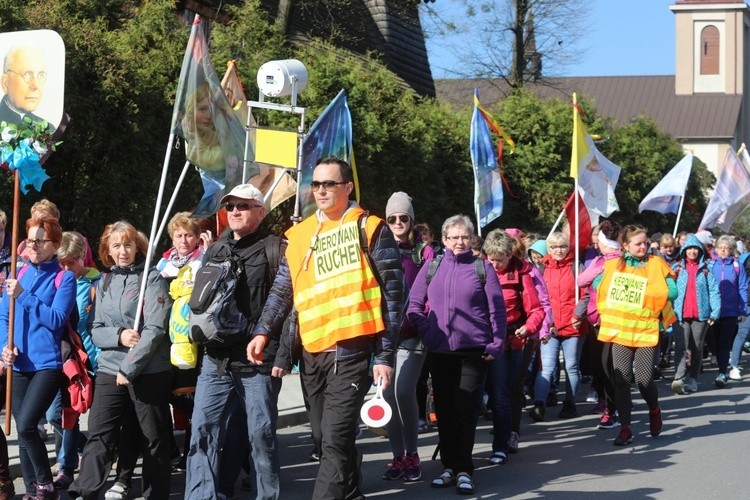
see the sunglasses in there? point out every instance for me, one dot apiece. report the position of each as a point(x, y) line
point(327, 185)
point(241, 206)
point(403, 218)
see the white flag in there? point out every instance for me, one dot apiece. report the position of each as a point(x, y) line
point(731, 194)
point(665, 197)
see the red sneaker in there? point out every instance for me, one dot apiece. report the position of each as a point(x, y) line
point(624, 437)
point(654, 421)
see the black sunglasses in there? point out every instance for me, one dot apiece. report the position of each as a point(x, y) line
point(403, 218)
point(240, 206)
point(327, 185)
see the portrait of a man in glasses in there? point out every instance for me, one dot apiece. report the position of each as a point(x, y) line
point(23, 79)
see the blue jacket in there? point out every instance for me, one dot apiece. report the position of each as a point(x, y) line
point(462, 314)
point(41, 313)
point(732, 286)
point(85, 284)
point(707, 288)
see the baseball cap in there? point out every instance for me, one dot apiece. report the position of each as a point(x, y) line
point(244, 192)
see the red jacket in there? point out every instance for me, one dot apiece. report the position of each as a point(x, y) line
point(514, 279)
point(560, 280)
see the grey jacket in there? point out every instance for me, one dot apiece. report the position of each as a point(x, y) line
point(114, 310)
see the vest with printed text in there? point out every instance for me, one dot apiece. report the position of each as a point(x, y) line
point(631, 300)
point(336, 295)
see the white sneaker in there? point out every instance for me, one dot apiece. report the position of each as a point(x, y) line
point(691, 385)
point(592, 397)
point(735, 374)
point(678, 386)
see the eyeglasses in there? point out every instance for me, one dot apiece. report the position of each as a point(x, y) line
point(559, 247)
point(41, 76)
point(457, 238)
point(403, 218)
point(36, 243)
point(327, 185)
point(241, 206)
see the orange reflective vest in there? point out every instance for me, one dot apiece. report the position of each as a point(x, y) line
point(631, 301)
point(336, 295)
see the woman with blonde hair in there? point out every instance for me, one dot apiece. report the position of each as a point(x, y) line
point(633, 292)
point(134, 367)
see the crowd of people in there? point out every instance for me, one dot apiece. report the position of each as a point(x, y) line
point(348, 299)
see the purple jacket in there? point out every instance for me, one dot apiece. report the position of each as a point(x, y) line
point(410, 274)
point(462, 313)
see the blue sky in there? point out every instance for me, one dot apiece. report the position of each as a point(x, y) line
point(628, 37)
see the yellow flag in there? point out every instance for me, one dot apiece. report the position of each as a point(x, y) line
point(580, 147)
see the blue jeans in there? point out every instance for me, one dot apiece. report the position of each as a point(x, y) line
point(739, 341)
point(33, 392)
point(572, 347)
point(67, 456)
point(500, 375)
point(215, 398)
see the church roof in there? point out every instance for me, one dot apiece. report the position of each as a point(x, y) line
point(622, 98)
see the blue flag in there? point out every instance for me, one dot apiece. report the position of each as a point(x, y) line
point(488, 184)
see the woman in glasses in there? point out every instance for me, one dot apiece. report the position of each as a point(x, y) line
point(463, 329)
point(632, 295)
point(44, 297)
point(134, 367)
point(403, 428)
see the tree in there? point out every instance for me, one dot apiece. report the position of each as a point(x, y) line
point(508, 39)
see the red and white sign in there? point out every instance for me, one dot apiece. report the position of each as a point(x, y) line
point(376, 412)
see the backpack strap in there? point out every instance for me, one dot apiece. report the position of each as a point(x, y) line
point(433, 267)
point(272, 246)
point(365, 246)
point(481, 271)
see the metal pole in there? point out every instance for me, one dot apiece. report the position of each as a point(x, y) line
point(679, 213)
point(151, 239)
point(165, 219)
point(577, 240)
point(557, 222)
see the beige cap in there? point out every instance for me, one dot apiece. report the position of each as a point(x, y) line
point(244, 192)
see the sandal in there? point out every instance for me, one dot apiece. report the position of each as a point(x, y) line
point(464, 486)
point(499, 458)
point(444, 480)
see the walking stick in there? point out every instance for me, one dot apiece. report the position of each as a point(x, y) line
point(12, 304)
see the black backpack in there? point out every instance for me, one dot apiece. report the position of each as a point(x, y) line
point(215, 317)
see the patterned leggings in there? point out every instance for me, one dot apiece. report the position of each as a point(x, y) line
point(622, 359)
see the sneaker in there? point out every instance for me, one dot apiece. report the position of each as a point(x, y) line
point(315, 454)
point(746, 347)
point(62, 481)
point(678, 386)
point(46, 492)
point(721, 381)
point(608, 420)
point(691, 385)
point(654, 421)
point(7, 490)
point(568, 410)
point(395, 469)
point(513, 442)
point(422, 427)
point(592, 397)
point(551, 399)
point(537, 412)
point(601, 405)
point(412, 468)
point(735, 374)
point(55, 469)
point(118, 491)
point(624, 437)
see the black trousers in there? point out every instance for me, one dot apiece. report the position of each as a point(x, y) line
point(456, 379)
point(335, 393)
point(149, 395)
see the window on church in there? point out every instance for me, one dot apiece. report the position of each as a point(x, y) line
point(710, 51)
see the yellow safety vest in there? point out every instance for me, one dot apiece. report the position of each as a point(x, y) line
point(336, 294)
point(631, 300)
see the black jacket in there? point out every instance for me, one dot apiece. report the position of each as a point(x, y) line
point(252, 292)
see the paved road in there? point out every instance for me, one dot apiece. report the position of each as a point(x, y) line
point(700, 454)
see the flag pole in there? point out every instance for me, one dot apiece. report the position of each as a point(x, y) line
point(12, 303)
point(165, 219)
point(679, 213)
point(557, 223)
point(479, 222)
point(577, 238)
point(152, 236)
